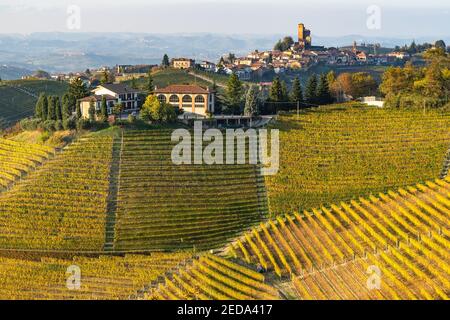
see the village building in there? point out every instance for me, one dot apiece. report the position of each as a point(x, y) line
point(208, 66)
point(183, 63)
point(195, 101)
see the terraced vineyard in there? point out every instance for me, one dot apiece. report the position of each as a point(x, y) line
point(16, 159)
point(214, 278)
point(62, 205)
point(404, 232)
point(16, 104)
point(165, 206)
point(101, 278)
point(337, 153)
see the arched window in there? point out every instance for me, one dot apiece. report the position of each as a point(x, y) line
point(174, 99)
point(199, 99)
point(187, 99)
point(162, 98)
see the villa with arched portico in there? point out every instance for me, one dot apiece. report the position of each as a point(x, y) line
point(194, 100)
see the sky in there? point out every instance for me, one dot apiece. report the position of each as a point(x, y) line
point(384, 18)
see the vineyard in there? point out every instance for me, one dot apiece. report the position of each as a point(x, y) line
point(405, 233)
point(335, 153)
point(61, 205)
point(214, 278)
point(165, 206)
point(101, 278)
point(16, 159)
point(16, 104)
point(114, 205)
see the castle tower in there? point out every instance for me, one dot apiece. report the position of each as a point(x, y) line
point(304, 36)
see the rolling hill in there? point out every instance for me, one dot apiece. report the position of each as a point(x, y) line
point(18, 98)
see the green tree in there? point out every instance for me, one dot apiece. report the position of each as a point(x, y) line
point(154, 110)
point(66, 108)
point(40, 106)
point(105, 77)
point(104, 109)
point(78, 111)
point(323, 91)
point(252, 102)
point(58, 110)
point(284, 92)
point(91, 111)
point(150, 87)
point(311, 90)
point(165, 62)
point(233, 95)
point(51, 114)
point(134, 83)
point(77, 89)
point(440, 44)
point(276, 91)
point(118, 109)
point(296, 92)
point(363, 84)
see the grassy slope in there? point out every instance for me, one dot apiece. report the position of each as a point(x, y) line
point(166, 77)
point(16, 105)
point(334, 154)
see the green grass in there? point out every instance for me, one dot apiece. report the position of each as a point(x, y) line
point(334, 153)
point(16, 105)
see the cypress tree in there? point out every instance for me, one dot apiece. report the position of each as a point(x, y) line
point(66, 107)
point(39, 105)
point(44, 107)
point(78, 111)
point(150, 86)
point(104, 109)
point(51, 114)
point(251, 102)
point(58, 108)
point(91, 111)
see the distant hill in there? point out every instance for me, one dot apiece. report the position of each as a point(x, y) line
point(18, 98)
point(13, 73)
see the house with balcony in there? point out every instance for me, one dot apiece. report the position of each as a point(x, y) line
point(114, 93)
point(124, 94)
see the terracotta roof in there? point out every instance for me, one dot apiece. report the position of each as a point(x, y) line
point(182, 88)
point(97, 98)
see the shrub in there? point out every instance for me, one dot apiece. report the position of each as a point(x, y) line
point(83, 124)
point(58, 125)
point(69, 124)
point(131, 118)
point(45, 136)
point(30, 124)
point(49, 125)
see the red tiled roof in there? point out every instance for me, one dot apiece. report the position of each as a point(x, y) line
point(182, 88)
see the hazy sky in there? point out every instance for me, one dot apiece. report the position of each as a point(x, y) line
point(407, 18)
